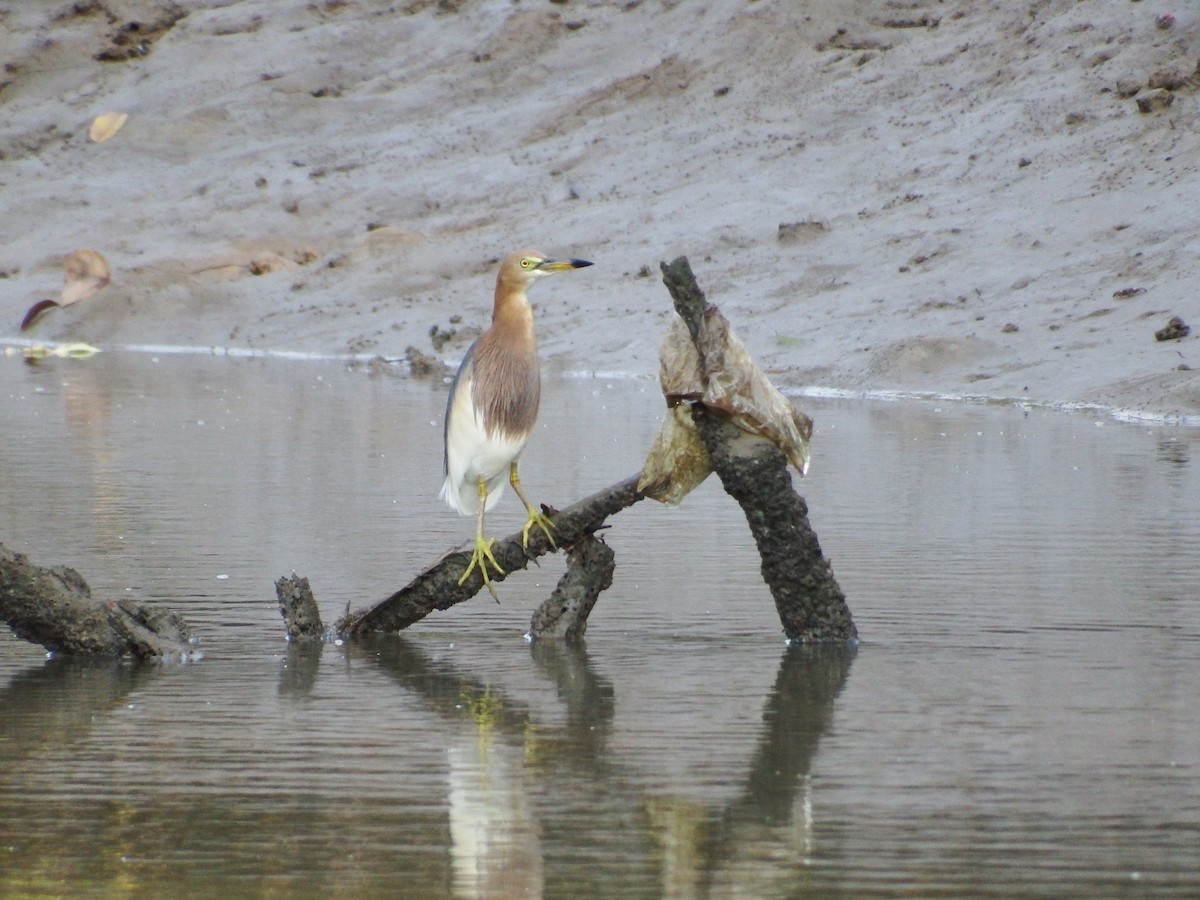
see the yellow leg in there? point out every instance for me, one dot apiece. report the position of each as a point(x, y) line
point(536, 516)
point(482, 554)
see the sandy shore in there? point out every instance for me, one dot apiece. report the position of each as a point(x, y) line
point(958, 198)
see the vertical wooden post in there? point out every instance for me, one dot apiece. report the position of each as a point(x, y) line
point(754, 471)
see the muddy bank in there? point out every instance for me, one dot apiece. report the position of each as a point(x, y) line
point(952, 197)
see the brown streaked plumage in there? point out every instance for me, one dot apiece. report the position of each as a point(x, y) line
point(493, 405)
point(506, 386)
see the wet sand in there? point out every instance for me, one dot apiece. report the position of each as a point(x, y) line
point(944, 198)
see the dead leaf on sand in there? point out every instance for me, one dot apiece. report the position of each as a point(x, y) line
point(106, 125)
point(86, 272)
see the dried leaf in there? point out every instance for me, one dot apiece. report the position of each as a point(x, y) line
point(678, 462)
point(106, 125)
point(86, 273)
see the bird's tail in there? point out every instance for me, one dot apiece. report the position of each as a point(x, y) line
point(467, 501)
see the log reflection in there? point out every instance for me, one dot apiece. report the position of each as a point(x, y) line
point(534, 793)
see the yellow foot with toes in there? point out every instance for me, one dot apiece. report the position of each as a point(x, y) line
point(480, 558)
point(542, 521)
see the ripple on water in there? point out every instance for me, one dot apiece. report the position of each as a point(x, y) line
point(1018, 719)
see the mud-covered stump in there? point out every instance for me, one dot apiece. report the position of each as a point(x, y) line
point(54, 607)
point(590, 566)
point(754, 471)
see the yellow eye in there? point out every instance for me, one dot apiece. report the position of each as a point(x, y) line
point(527, 263)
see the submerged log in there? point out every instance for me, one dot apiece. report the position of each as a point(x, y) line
point(754, 471)
point(54, 608)
point(437, 588)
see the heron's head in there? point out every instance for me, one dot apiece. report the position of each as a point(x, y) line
point(521, 269)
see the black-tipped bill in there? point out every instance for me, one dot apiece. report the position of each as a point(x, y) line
point(560, 265)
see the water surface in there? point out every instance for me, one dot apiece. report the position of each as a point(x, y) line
point(1019, 719)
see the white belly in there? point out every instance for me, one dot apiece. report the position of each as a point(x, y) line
point(471, 454)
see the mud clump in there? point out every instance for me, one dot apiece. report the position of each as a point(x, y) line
point(422, 365)
point(133, 39)
point(800, 232)
point(1170, 80)
point(1156, 98)
point(1175, 329)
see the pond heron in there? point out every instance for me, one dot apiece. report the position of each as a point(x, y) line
point(493, 407)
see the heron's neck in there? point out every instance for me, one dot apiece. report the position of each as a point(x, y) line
point(512, 311)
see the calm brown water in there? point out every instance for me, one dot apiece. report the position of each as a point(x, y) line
point(1021, 717)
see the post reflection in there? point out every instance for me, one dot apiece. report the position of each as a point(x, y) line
point(767, 834)
point(301, 664)
point(534, 793)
